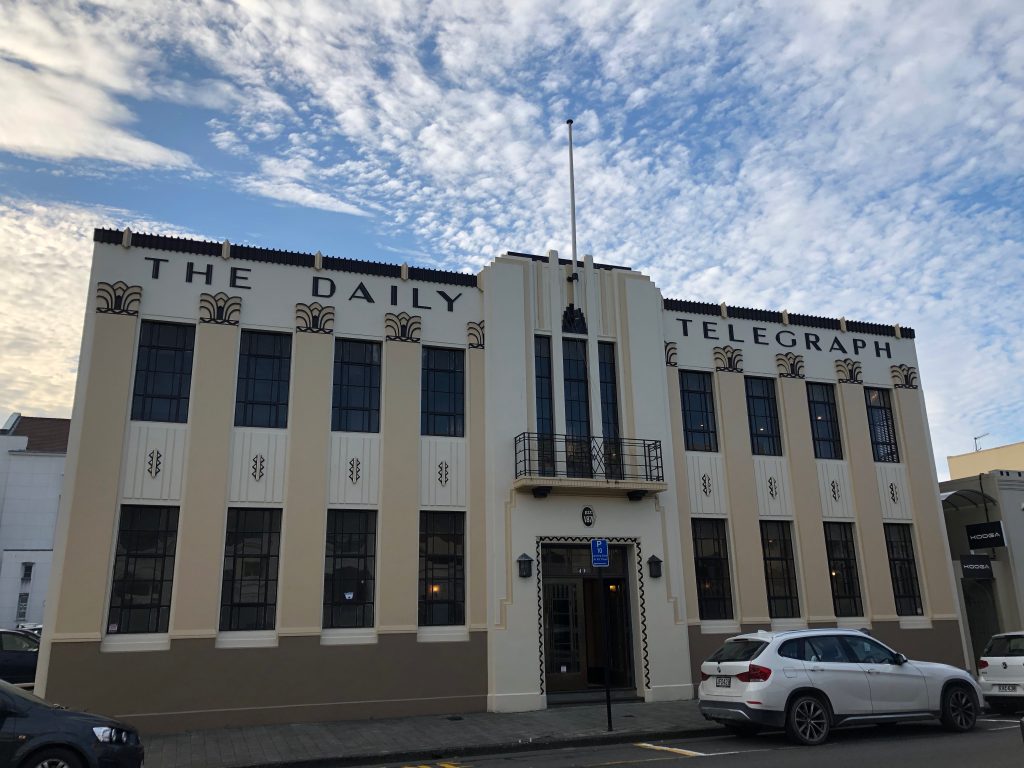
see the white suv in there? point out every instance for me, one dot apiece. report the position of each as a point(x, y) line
point(808, 681)
point(1001, 672)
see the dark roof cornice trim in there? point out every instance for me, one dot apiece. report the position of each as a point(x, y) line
point(289, 258)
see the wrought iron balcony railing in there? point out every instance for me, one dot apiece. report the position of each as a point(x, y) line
point(597, 458)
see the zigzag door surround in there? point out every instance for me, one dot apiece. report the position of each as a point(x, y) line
point(258, 459)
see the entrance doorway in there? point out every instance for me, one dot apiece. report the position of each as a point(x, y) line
point(574, 640)
point(982, 613)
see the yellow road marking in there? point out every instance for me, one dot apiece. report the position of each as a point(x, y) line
point(673, 750)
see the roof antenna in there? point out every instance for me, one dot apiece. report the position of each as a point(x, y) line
point(976, 439)
point(572, 198)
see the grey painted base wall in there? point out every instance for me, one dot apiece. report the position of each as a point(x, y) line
point(939, 643)
point(195, 685)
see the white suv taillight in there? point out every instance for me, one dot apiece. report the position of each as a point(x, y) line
point(982, 664)
point(755, 674)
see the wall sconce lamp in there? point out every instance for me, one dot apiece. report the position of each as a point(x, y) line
point(654, 567)
point(525, 566)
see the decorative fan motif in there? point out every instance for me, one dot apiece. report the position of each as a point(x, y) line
point(475, 335)
point(402, 327)
point(118, 298)
point(671, 354)
point(904, 376)
point(728, 359)
point(849, 371)
point(219, 308)
point(573, 320)
point(790, 365)
point(314, 318)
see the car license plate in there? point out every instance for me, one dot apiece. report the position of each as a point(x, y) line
point(723, 682)
point(1007, 688)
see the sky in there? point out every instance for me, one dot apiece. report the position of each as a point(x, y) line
point(856, 159)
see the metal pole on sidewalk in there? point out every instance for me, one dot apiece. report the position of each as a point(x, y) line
point(606, 621)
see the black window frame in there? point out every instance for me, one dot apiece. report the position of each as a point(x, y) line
point(781, 587)
point(442, 569)
point(576, 389)
point(844, 576)
point(355, 390)
point(443, 392)
point(262, 395)
point(906, 583)
point(147, 539)
point(763, 416)
point(825, 432)
point(350, 562)
point(163, 372)
point(610, 437)
point(543, 377)
point(697, 401)
point(881, 425)
point(711, 568)
point(243, 523)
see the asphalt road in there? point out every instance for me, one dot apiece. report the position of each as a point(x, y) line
point(996, 743)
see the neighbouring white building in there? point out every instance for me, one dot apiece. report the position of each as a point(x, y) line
point(32, 453)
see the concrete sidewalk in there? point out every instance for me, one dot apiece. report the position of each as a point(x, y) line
point(421, 739)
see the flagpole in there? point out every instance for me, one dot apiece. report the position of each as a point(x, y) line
point(572, 197)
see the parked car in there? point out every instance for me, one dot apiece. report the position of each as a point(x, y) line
point(35, 629)
point(37, 734)
point(809, 681)
point(19, 652)
point(1001, 672)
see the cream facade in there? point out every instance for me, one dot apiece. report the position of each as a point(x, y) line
point(521, 412)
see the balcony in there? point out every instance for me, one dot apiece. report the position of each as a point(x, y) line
point(588, 465)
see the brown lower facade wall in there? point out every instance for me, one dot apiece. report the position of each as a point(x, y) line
point(195, 685)
point(941, 642)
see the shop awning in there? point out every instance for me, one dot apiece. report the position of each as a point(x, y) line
point(964, 498)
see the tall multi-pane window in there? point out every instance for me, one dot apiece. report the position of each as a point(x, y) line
point(26, 570)
point(821, 403)
point(442, 569)
point(163, 372)
point(264, 373)
point(140, 592)
point(248, 598)
point(349, 568)
point(763, 416)
point(881, 425)
point(577, 407)
point(22, 611)
point(545, 404)
point(899, 543)
point(355, 399)
point(443, 393)
point(609, 410)
point(698, 401)
point(779, 569)
point(711, 561)
point(842, 568)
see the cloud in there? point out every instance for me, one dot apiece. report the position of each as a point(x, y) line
point(47, 253)
point(54, 117)
point(859, 160)
point(292, 192)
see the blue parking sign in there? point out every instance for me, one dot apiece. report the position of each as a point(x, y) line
point(599, 553)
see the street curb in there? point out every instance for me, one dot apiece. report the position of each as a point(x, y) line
point(438, 753)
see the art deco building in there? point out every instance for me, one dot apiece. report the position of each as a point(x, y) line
point(303, 488)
